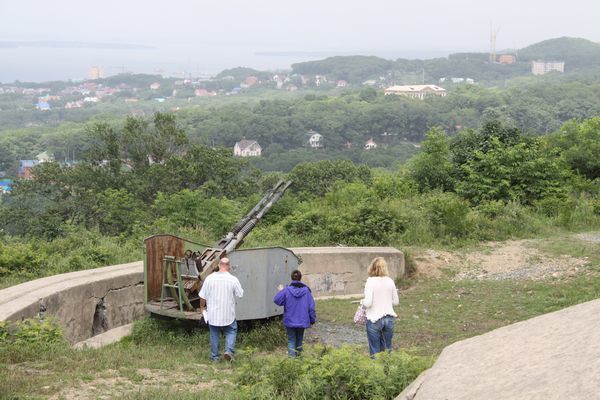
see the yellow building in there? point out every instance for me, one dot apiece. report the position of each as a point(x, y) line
point(95, 73)
point(416, 91)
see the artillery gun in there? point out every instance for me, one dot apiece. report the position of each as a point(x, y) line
point(175, 268)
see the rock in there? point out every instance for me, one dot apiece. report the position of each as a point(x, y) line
point(553, 356)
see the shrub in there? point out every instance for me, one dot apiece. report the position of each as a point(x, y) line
point(20, 258)
point(326, 373)
point(449, 215)
point(31, 331)
point(498, 221)
point(579, 213)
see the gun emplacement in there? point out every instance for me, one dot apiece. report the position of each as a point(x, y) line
point(174, 268)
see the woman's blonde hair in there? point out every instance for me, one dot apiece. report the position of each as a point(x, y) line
point(378, 267)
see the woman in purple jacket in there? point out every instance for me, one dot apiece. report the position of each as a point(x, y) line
point(298, 311)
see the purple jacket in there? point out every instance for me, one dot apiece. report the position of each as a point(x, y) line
point(298, 305)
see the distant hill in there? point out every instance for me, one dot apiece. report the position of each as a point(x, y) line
point(350, 68)
point(357, 69)
point(240, 73)
point(576, 52)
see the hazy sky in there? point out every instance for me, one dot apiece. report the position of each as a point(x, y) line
point(206, 36)
point(304, 24)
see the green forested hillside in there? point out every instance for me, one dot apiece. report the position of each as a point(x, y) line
point(576, 52)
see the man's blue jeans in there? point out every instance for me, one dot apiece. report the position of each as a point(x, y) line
point(230, 333)
point(379, 334)
point(295, 337)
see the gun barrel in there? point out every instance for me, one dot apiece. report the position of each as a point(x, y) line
point(237, 227)
point(232, 240)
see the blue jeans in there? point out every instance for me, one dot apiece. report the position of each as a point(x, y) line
point(230, 333)
point(295, 337)
point(379, 334)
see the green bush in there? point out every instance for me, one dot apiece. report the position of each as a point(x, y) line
point(327, 373)
point(498, 221)
point(20, 258)
point(31, 331)
point(449, 215)
point(580, 213)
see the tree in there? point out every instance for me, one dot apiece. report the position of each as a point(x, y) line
point(580, 145)
point(522, 173)
point(118, 211)
point(315, 179)
point(431, 169)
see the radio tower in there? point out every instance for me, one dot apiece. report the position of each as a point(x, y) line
point(493, 43)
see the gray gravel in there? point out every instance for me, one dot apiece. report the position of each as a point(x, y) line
point(335, 334)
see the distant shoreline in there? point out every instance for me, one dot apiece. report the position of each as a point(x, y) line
point(73, 45)
point(387, 54)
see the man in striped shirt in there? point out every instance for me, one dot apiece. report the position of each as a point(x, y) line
point(217, 298)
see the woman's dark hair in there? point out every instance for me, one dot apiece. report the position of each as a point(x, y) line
point(296, 275)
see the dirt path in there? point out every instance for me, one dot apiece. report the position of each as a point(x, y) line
point(513, 259)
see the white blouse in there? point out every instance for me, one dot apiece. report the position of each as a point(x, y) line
point(380, 297)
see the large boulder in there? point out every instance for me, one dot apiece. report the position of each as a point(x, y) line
point(553, 356)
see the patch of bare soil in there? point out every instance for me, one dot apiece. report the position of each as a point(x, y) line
point(113, 385)
point(589, 237)
point(514, 259)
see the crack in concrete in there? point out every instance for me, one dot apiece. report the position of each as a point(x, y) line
point(140, 283)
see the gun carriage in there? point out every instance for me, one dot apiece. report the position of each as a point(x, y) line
point(174, 268)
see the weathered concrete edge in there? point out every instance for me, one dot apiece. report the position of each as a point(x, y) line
point(106, 338)
point(15, 299)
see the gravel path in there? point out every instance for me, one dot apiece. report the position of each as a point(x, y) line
point(335, 334)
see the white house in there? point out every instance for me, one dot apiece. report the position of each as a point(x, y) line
point(44, 157)
point(370, 144)
point(247, 148)
point(315, 139)
point(543, 67)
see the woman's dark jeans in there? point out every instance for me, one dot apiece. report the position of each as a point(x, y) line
point(380, 334)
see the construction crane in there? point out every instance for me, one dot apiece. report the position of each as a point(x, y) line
point(493, 34)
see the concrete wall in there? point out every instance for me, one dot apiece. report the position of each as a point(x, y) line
point(333, 271)
point(73, 298)
point(87, 303)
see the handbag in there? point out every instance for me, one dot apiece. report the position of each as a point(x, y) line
point(360, 316)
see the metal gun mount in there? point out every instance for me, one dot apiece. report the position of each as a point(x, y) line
point(174, 268)
point(209, 259)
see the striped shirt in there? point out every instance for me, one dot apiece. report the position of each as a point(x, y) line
point(219, 290)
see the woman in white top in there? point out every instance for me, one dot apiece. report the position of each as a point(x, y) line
point(380, 297)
